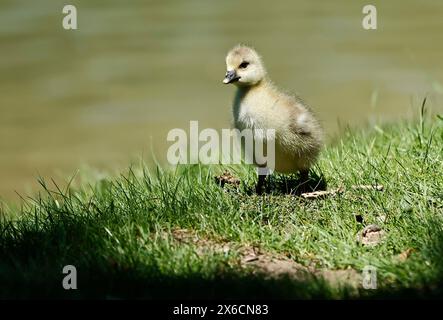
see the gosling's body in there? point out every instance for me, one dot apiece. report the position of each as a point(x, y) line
point(258, 104)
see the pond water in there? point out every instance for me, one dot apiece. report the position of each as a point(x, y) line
point(109, 92)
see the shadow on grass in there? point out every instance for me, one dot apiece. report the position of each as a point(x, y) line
point(294, 184)
point(95, 282)
point(31, 263)
point(32, 268)
point(32, 258)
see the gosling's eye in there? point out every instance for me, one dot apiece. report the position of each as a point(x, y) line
point(243, 65)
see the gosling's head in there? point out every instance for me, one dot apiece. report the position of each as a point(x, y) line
point(244, 67)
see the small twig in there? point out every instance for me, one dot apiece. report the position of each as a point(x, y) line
point(368, 187)
point(322, 194)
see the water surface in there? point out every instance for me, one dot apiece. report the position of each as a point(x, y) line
point(111, 90)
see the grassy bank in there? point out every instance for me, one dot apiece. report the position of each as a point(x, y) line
point(162, 234)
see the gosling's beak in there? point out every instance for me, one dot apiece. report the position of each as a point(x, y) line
point(230, 77)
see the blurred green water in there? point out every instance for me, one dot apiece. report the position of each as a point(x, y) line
point(111, 90)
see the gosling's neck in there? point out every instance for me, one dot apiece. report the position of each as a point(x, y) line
point(264, 84)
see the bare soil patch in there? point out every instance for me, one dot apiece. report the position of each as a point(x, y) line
point(269, 264)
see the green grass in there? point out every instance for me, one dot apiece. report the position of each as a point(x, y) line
point(118, 232)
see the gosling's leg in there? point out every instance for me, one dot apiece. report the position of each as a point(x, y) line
point(303, 184)
point(261, 184)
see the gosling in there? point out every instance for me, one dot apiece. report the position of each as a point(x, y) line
point(258, 104)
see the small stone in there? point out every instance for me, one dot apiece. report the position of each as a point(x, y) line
point(227, 178)
point(371, 235)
